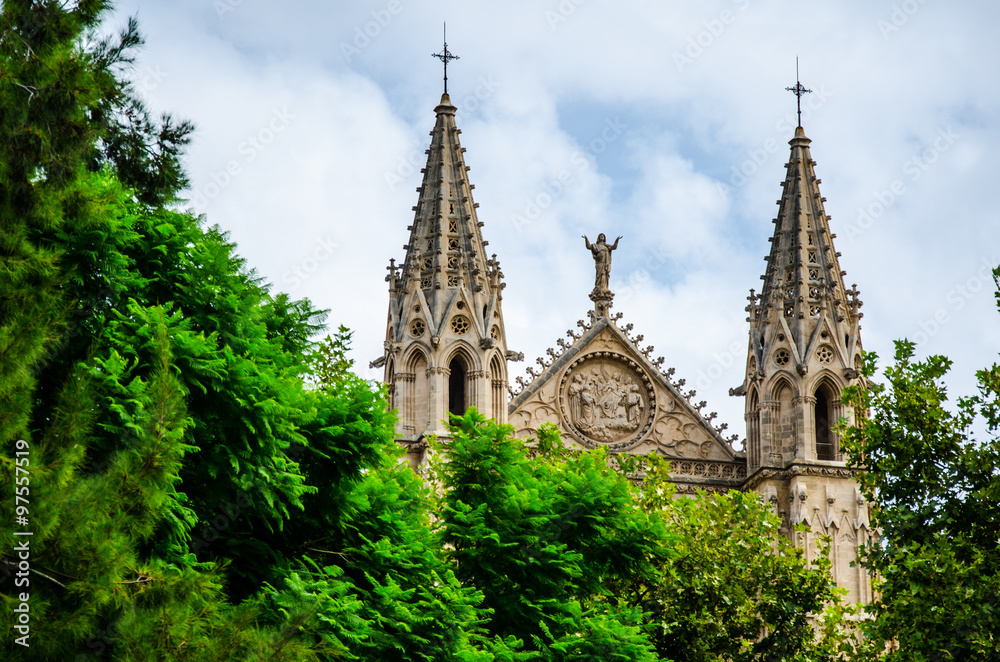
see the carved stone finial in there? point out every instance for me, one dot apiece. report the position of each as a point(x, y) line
point(601, 295)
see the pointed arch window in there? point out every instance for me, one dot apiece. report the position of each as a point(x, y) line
point(826, 439)
point(458, 371)
point(498, 389)
point(753, 429)
point(390, 381)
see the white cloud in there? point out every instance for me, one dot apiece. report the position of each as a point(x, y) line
point(881, 97)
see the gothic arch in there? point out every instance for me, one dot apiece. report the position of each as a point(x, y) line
point(498, 388)
point(782, 379)
point(390, 382)
point(413, 397)
point(465, 350)
point(786, 426)
point(753, 427)
point(458, 384)
point(416, 352)
point(826, 376)
point(498, 367)
point(826, 411)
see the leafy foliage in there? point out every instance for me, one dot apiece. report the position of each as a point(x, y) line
point(735, 587)
point(209, 484)
point(937, 563)
point(544, 539)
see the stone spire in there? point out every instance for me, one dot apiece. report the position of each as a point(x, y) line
point(804, 349)
point(804, 328)
point(445, 342)
point(446, 251)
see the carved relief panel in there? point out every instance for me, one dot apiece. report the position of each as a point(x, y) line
point(607, 399)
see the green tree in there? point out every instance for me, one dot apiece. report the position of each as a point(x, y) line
point(545, 539)
point(932, 471)
point(156, 380)
point(736, 587)
point(367, 564)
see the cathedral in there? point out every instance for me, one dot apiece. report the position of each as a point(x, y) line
point(446, 350)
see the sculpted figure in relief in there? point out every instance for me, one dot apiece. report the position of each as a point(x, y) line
point(605, 404)
point(633, 403)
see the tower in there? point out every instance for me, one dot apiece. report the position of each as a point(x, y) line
point(804, 349)
point(445, 346)
point(805, 344)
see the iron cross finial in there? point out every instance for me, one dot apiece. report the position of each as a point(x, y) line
point(798, 91)
point(444, 56)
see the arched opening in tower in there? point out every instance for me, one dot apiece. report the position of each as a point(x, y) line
point(390, 381)
point(498, 390)
point(753, 429)
point(824, 435)
point(456, 386)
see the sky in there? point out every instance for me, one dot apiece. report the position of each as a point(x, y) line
point(664, 122)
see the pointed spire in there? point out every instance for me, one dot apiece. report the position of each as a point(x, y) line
point(445, 347)
point(805, 343)
point(803, 282)
point(446, 248)
point(446, 266)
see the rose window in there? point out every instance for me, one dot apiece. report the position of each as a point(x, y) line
point(782, 357)
point(825, 354)
point(417, 328)
point(459, 325)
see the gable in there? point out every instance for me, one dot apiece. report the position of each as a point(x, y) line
point(603, 391)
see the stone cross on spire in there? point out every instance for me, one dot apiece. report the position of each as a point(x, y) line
point(444, 56)
point(798, 91)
